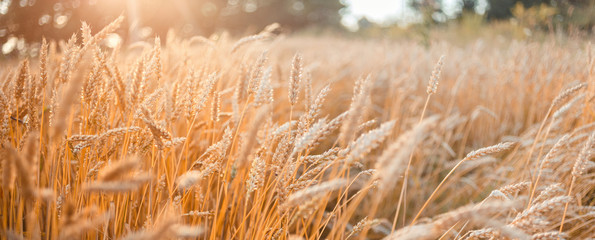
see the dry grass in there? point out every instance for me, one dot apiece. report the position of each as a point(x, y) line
point(271, 137)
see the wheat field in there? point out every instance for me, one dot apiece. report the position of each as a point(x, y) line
point(294, 137)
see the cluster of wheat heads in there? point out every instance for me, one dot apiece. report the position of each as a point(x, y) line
point(217, 139)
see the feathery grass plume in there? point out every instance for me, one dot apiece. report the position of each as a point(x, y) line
point(475, 154)
point(368, 141)
point(563, 109)
point(32, 103)
point(312, 192)
point(281, 131)
point(158, 131)
point(264, 93)
point(546, 161)
point(161, 230)
point(280, 156)
point(217, 151)
point(135, 85)
point(515, 188)
point(152, 98)
point(435, 78)
point(119, 132)
point(328, 128)
point(189, 87)
point(415, 232)
point(187, 231)
point(366, 125)
point(314, 109)
point(307, 79)
point(8, 169)
point(85, 32)
point(117, 84)
point(189, 179)
point(11, 235)
point(199, 214)
point(295, 78)
point(577, 138)
point(256, 73)
point(216, 107)
point(554, 151)
point(67, 62)
point(304, 210)
point(46, 194)
point(97, 117)
point(4, 118)
point(481, 109)
point(506, 192)
point(116, 170)
point(24, 169)
point(64, 108)
point(176, 97)
point(305, 181)
point(483, 234)
point(470, 156)
point(549, 236)
point(358, 104)
point(361, 225)
point(473, 213)
point(394, 157)
point(549, 192)
point(266, 33)
point(21, 80)
point(79, 223)
point(531, 218)
point(91, 84)
point(309, 138)
point(115, 51)
point(203, 40)
point(566, 94)
point(207, 89)
point(498, 231)
point(269, 29)
point(110, 187)
point(326, 156)
point(114, 178)
point(242, 83)
point(145, 74)
point(157, 65)
point(497, 194)
point(43, 66)
point(29, 164)
point(584, 156)
point(124, 185)
point(308, 176)
point(102, 34)
point(246, 40)
point(578, 170)
point(174, 142)
point(89, 140)
point(256, 177)
point(250, 141)
point(92, 42)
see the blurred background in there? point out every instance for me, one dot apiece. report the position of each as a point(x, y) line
point(26, 21)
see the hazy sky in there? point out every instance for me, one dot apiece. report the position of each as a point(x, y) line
point(389, 11)
point(376, 10)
